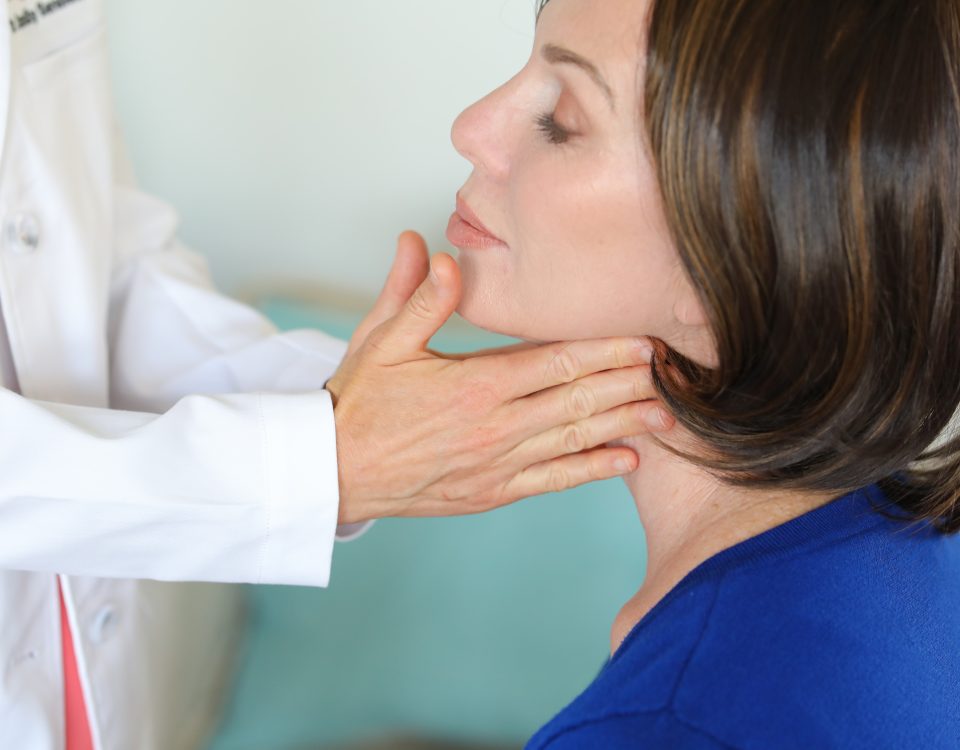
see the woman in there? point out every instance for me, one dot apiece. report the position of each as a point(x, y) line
point(771, 190)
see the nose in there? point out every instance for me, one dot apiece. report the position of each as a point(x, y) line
point(481, 133)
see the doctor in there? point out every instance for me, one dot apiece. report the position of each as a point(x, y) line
point(154, 429)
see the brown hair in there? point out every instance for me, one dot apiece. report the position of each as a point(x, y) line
point(808, 156)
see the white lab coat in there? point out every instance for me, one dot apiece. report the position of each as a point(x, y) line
point(209, 474)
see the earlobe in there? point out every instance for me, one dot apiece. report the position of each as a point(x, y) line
point(688, 311)
point(694, 338)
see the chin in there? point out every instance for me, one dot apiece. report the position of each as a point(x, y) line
point(493, 308)
point(495, 323)
point(482, 316)
point(485, 310)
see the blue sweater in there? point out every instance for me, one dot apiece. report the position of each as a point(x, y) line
point(838, 629)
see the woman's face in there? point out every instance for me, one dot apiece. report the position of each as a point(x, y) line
point(576, 245)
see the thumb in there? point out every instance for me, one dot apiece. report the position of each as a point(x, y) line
point(427, 309)
point(410, 266)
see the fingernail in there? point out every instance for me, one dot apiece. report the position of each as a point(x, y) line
point(656, 419)
point(644, 350)
point(622, 466)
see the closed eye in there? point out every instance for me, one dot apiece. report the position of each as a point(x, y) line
point(552, 130)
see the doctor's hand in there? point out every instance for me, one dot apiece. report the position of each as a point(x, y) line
point(424, 434)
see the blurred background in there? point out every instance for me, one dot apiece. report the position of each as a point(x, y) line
point(297, 138)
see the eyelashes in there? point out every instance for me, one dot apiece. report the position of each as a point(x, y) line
point(552, 130)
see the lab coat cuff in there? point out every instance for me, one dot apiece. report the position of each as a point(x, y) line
point(303, 488)
point(347, 532)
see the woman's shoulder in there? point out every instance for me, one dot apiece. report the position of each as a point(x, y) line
point(656, 729)
point(631, 696)
point(798, 640)
point(823, 646)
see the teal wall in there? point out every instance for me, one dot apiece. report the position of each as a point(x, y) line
point(470, 628)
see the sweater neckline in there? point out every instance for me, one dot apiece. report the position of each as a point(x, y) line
point(837, 519)
point(840, 518)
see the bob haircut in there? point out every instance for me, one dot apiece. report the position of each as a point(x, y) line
point(808, 156)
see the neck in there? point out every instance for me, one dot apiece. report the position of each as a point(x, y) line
point(689, 516)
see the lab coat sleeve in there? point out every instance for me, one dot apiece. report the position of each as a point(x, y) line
point(173, 334)
point(218, 488)
point(217, 461)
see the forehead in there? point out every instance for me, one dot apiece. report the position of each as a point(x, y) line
point(609, 33)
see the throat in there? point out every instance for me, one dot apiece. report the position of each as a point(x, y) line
point(689, 516)
point(655, 587)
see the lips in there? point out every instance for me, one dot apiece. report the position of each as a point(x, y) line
point(465, 230)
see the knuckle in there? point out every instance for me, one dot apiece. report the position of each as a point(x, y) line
point(596, 469)
point(643, 384)
point(574, 439)
point(489, 500)
point(448, 496)
point(476, 503)
point(630, 419)
point(565, 366)
point(418, 305)
point(377, 340)
point(623, 355)
point(558, 479)
point(582, 402)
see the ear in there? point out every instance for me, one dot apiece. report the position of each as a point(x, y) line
point(688, 310)
point(694, 337)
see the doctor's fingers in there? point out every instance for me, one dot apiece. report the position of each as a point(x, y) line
point(622, 422)
point(404, 337)
point(411, 264)
point(568, 472)
point(527, 371)
point(509, 349)
point(594, 394)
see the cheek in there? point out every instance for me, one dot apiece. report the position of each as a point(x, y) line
point(488, 290)
point(589, 252)
point(592, 253)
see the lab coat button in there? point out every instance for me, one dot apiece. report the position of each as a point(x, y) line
point(22, 233)
point(104, 624)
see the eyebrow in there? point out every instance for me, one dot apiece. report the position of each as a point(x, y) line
point(560, 55)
